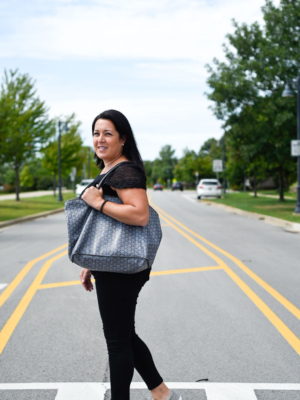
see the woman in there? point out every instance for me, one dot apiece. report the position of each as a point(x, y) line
point(117, 293)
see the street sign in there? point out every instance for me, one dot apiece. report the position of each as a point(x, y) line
point(295, 148)
point(217, 165)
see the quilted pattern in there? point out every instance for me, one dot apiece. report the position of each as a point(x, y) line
point(101, 243)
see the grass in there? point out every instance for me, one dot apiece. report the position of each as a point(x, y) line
point(11, 209)
point(276, 193)
point(261, 205)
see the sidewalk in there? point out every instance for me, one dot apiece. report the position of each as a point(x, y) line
point(25, 195)
point(272, 196)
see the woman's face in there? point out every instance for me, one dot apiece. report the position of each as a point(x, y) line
point(107, 143)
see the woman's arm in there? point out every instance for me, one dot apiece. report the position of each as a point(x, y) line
point(133, 211)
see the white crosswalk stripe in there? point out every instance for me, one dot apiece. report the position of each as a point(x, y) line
point(96, 391)
point(2, 285)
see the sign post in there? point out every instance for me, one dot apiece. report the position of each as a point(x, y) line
point(73, 177)
point(197, 178)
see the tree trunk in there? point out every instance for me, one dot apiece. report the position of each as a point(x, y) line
point(255, 186)
point(281, 185)
point(54, 185)
point(17, 184)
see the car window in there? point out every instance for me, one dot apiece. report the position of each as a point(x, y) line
point(209, 183)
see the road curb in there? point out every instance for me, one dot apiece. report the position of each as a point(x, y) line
point(291, 226)
point(30, 217)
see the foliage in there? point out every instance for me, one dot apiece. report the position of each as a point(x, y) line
point(26, 179)
point(247, 88)
point(163, 166)
point(191, 163)
point(72, 153)
point(148, 169)
point(24, 124)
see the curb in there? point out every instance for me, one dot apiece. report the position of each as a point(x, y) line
point(291, 226)
point(30, 217)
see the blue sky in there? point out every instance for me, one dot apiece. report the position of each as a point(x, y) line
point(144, 58)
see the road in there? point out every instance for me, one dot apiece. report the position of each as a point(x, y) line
point(223, 303)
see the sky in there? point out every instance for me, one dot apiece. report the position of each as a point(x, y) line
point(145, 58)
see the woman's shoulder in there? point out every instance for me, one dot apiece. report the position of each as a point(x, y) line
point(128, 175)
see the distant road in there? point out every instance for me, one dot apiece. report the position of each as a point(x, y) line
point(25, 195)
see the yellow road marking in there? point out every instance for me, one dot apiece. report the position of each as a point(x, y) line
point(60, 284)
point(18, 279)
point(169, 272)
point(14, 319)
point(281, 299)
point(289, 336)
point(183, 271)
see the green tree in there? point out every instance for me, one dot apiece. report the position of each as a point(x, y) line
point(148, 169)
point(191, 163)
point(26, 179)
point(24, 123)
point(163, 166)
point(72, 153)
point(247, 88)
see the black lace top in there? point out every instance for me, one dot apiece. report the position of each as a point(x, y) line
point(125, 176)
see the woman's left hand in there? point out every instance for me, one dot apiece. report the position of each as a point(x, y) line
point(93, 197)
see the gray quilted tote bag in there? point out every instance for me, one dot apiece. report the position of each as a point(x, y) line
point(100, 243)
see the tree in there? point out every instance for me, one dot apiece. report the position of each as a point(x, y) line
point(148, 169)
point(163, 166)
point(26, 179)
point(72, 153)
point(247, 87)
point(24, 123)
point(191, 163)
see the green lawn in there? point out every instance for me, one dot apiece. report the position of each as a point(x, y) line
point(276, 193)
point(261, 205)
point(10, 209)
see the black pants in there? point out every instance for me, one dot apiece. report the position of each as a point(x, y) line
point(117, 297)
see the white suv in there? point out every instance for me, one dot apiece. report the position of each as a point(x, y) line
point(209, 187)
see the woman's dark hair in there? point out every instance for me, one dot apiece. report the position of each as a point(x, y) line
point(123, 128)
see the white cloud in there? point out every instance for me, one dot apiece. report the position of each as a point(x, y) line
point(164, 30)
point(155, 51)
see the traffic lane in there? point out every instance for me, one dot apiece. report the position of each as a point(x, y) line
point(269, 251)
point(42, 314)
point(24, 242)
point(201, 325)
point(250, 350)
point(168, 292)
point(59, 338)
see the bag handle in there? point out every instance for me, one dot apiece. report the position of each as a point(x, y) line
point(106, 175)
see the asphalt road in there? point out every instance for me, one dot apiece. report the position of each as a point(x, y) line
point(223, 304)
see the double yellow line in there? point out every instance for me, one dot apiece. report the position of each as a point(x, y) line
point(14, 319)
point(289, 336)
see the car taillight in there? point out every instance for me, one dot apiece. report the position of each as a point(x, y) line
point(219, 186)
point(200, 186)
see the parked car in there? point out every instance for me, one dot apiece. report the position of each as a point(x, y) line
point(177, 186)
point(82, 185)
point(158, 186)
point(209, 187)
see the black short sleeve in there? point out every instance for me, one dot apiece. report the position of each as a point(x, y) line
point(127, 176)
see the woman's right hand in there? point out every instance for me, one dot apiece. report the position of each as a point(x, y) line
point(85, 277)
